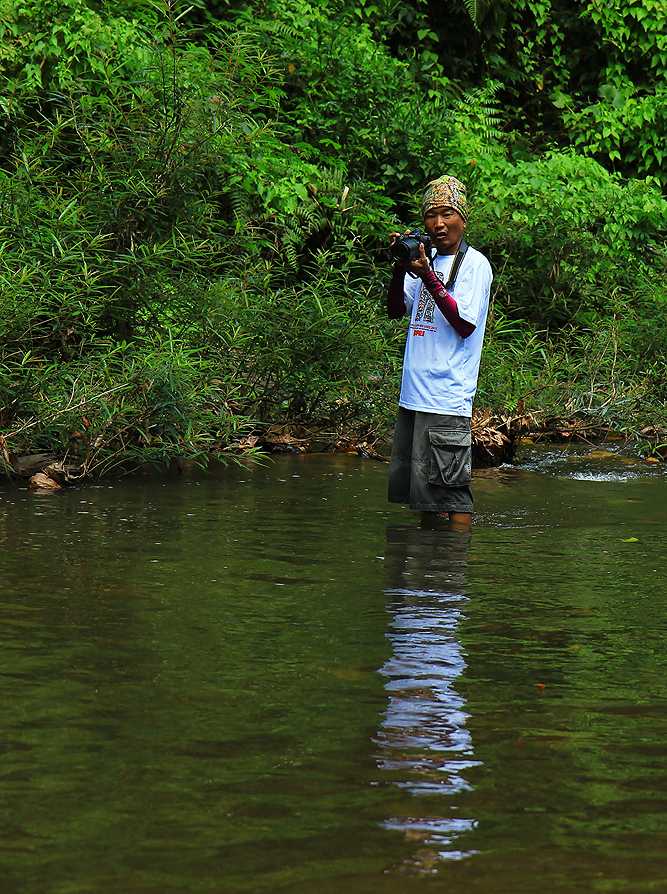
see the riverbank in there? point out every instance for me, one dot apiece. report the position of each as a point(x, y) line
point(496, 440)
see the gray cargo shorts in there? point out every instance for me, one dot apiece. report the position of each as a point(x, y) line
point(431, 462)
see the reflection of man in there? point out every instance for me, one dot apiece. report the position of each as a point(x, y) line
point(431, 458)
point(426, 746)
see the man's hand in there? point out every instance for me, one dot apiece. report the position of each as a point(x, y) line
point(421, 265)
point(399, 265)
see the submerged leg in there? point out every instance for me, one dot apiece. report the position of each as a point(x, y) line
point(456, 521)
point(460, 521)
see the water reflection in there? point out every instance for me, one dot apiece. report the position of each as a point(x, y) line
point(426, 745)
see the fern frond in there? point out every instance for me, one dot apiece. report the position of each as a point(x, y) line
point(475, 11)
point(481, 108)
point(239, 201)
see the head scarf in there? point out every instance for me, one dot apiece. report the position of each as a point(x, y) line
point(445, 191)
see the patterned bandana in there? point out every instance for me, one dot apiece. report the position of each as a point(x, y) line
point(445, 191)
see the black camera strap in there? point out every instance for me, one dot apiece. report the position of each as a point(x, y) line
point(456, 266)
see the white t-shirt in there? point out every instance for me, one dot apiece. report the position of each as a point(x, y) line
point(440, 368)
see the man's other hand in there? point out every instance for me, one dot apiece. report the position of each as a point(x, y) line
point(400, 265)
point(421, 265)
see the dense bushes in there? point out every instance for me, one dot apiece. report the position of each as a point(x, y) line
point(580, 315)
point(584, 72)
point(571, 242)
point(192, 229)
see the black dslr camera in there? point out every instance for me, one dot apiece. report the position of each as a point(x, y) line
point(406, 248)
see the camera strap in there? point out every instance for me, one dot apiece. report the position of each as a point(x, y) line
point(456, 266)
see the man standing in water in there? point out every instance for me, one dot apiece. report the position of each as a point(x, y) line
point(446, 294)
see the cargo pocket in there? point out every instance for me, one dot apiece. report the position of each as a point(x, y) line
point(450, 457)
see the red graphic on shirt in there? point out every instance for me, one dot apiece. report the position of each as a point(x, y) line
point(418, 332)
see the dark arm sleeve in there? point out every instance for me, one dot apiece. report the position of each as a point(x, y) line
point(396, 294)
point(446, 304)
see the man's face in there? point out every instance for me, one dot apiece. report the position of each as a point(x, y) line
point(445, 226)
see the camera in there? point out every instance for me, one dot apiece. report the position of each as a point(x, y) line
point(406, 248)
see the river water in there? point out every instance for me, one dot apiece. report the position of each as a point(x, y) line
point(269, 680)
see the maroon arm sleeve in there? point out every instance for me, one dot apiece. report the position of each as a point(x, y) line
point(446, 304)
point(395, 295)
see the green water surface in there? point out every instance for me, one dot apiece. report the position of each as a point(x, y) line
point(272, 681)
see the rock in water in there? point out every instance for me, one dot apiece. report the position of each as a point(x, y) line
point(40, 481)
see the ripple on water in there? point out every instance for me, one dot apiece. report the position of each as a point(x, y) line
point(602, 476)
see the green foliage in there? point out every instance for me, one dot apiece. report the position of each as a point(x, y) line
point(175, 176)
point(102, 268)
point(579, 321)
point(352, 105)
point(615, 108)
point(634, 35)
point(192, 218)
point(625, 127)
point(585, 72)
point(317, 351)
point(49, 48)
point(569, 241)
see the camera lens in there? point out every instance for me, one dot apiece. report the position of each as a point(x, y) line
point(406, 248)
